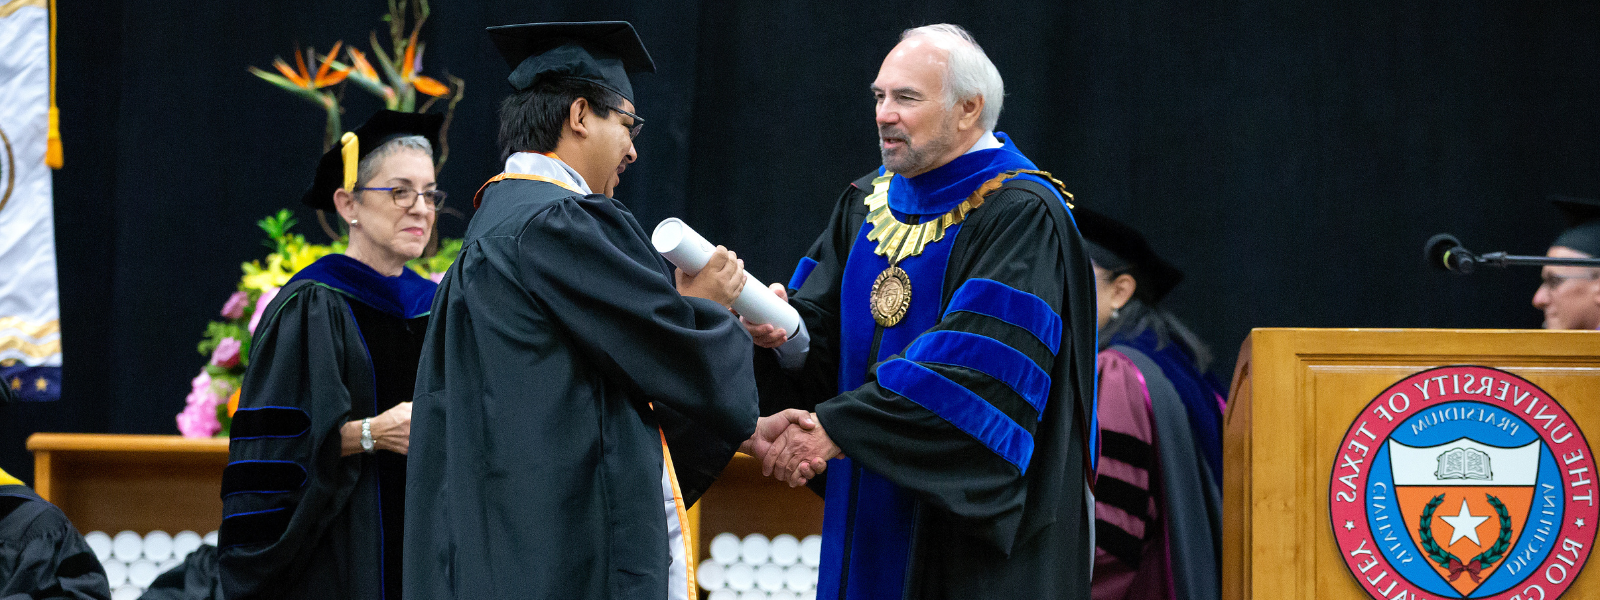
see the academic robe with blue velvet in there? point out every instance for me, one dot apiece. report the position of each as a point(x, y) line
point(559, 357)
point(965, 424)
point(339, 343)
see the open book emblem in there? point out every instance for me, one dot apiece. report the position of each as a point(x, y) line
point(1464, 463)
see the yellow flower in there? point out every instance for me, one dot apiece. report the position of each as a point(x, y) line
point(259, 278)
point(302, 255)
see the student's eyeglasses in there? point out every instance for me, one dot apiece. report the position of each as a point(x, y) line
point(638, 122)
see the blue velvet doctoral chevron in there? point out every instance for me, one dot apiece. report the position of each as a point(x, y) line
point(969, 412)
point(802, 271)
point(406, 296)
point(987, 355)
point(1014, 306)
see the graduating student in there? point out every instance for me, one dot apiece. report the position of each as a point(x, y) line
point(949, 311)
point(1570, 296)
point(314, 492)
point(1159, 494)
point(41, 554)
point(575, 394)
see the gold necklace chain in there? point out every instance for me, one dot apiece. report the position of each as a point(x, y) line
point(898, 241)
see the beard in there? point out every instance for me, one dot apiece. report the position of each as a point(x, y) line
point(912, 156)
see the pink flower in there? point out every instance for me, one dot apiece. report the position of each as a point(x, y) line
point(227, 353)
point(199, 421)
point(200, 382)
point(261, 306)
point(234, 307)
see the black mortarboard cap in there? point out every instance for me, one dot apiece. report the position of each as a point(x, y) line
point(381, 128)
point(1583, 220)
point(600, 52)
point(1118, 247)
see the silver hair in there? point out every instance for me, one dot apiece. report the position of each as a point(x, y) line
point(970, 72)
point(368, 167)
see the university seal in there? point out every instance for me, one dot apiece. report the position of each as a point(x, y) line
point(1463, 482)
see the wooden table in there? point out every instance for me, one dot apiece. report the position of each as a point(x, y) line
point(140, 482)
point(171, 483)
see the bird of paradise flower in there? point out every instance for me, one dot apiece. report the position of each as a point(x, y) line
point(394, 76)
point(301, 82)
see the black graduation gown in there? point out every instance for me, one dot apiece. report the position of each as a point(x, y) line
point(981, 518)
point(536, 458)
point(41, 555)
point(339, 343)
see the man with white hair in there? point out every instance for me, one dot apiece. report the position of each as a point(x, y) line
point(947, 348)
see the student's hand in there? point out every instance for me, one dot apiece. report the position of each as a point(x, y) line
point(770, 428)
point(800, 454)
point(720, 281)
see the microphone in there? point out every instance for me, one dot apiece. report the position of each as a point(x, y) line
point(1444, 252)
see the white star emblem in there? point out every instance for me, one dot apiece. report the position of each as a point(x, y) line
point(1349, 525)
point(1579, 523)
point(1464, 524)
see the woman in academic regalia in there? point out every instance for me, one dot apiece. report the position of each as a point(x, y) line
point(314, 492)
point(1158, 494)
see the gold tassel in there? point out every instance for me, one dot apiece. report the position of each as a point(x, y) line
point(351, 151)
point(52, 149)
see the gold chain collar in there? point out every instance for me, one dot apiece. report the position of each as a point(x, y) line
point(898, 241)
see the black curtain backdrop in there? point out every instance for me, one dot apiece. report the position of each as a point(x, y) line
point(1290, 157)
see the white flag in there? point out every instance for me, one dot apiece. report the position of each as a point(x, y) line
point(30, 317)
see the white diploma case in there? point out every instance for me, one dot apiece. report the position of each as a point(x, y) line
point(683, 247)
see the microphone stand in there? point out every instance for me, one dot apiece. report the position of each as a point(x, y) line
point(1502, 260)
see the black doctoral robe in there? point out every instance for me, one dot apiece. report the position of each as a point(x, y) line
point(42, 556)
point(536, 458)
point(339, 343)
point(965, 425)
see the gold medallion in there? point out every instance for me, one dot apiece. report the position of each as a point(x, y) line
point(891, 296)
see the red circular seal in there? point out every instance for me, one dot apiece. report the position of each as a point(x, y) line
point(1464, 482)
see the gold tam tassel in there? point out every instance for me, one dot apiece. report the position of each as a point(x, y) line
point(351, 152)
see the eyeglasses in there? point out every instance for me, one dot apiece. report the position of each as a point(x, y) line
point(1551, 281)
point(638, 122)
point(405, 197)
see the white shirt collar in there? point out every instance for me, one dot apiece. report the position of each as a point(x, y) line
point(533, 163)
point(987, 142)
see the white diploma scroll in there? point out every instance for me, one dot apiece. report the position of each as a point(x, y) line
point(683, 247)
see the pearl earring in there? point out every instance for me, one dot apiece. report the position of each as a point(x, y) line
point(352, 221)
point(1115, 312)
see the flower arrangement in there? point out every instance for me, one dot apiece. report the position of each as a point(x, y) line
point(396, 79)
point(214, 393)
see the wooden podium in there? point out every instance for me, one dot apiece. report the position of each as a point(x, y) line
point(1295, 394)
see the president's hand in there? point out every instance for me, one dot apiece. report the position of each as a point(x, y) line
point(720, 281)
point(799, 454)
point(768, 336)
point(771, 428)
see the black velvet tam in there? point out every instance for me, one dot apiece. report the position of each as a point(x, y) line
point(1583, 217)
point(382, 127)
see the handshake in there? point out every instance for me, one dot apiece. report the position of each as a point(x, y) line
point(792, 446)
